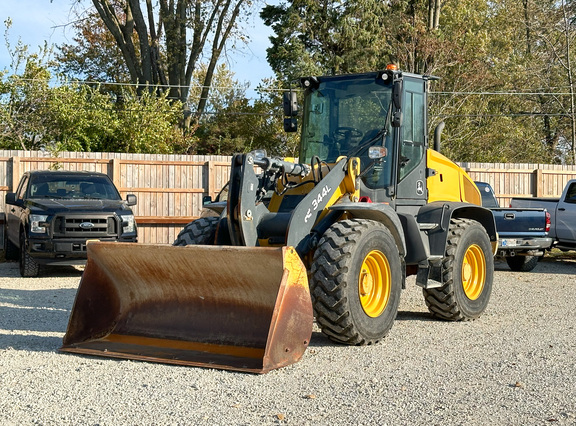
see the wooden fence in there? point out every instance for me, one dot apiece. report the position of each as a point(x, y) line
point(521, 180)
point(170, 187)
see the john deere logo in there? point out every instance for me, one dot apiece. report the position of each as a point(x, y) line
point(86, 225)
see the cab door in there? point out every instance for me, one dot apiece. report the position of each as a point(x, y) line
point(566, 215)
point(411, 165)
point(14, 212)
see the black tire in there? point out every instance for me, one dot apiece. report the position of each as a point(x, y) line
point(28, 266)
point(202, 231)
point(348, 249)
point(10, 249)
point(522, 263)
point(463, 298)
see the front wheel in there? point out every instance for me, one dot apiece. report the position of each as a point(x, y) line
point(202, 231)
point(356, 282)
point(467, 272)
point(28, 266)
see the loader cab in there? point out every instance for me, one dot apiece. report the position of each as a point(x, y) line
point(348, 115)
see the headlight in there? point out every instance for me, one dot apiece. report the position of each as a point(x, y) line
point(38, 223)
point(128, 223)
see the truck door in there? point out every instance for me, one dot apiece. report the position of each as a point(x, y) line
point(14, 213)
point(566, 215)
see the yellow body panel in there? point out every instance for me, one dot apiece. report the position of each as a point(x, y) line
point(346, 187)
point(450, 182)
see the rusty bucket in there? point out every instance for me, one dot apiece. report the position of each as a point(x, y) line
point(234, 308)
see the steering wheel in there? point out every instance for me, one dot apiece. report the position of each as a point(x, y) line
point(347, 132)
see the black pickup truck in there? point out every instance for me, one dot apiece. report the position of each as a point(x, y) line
point(53, 214)
point(522, 232)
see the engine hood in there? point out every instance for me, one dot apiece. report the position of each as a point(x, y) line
point(55, 206)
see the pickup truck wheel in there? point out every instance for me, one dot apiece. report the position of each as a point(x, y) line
point(202, 231)
point(10, 249)
point(356, 280)
point(28, 266)
point(522, 263)
point(467, 273)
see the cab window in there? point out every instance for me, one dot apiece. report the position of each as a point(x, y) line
point(413, 138)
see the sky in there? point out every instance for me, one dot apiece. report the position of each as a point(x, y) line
point(36, 21)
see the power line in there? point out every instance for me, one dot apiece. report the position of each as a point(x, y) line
point(150, 85)
point(503, 93)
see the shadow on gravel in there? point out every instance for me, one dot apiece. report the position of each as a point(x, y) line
point(548, 265)
point(30, 342)
point(415, 316)
point(10, 270)
point(27, 315)
point(319, 339)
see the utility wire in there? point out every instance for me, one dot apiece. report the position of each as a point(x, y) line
point(532, 92)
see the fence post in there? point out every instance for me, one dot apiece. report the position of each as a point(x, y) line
point(211, 179)
point(116, 178)
point(15, 163)
point(538, 183)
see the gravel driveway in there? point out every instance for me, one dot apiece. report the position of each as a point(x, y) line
point(515, 365)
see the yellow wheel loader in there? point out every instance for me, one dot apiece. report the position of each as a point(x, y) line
point(332, 236)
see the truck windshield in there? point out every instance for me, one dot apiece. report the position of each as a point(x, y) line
point(345, 116)
point(73, 187)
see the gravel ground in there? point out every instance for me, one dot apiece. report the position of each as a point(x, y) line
point(515, 365)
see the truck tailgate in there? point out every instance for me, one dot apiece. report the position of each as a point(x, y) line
point(523, 222)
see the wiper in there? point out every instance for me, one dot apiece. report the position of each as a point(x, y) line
point(52, 197)
point(382, 133)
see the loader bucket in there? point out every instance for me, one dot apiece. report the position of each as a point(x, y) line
point(233, 308)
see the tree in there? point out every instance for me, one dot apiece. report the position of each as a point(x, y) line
point(40, 110)
point(232, 123)
point(324, 37)
point(161, 53)
point(94, 55)
point(23, 94)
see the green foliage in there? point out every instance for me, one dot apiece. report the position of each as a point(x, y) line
point(38, 111)
point(507, 90)
point(237, 125)
point(93, 55)
point(325, 37)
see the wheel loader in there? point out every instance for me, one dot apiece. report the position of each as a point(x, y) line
point(332, 236)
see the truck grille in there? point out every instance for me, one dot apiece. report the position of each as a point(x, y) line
point(79, 226)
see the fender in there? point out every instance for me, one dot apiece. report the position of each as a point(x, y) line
point(379, 212)
point(436, 216)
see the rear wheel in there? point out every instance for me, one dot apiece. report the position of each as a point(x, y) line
point(467, 273)
point(356, 282)
point(28, 266)
point(202, 231)
point(522, 263)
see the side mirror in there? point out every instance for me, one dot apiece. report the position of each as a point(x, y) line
point(131, 199)
point(290, 104)
point(10, 198)
point(290, 125)
point(206, 199)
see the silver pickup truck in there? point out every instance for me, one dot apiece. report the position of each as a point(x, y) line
point(562, 215)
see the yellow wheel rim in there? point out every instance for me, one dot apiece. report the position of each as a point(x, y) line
point(473, 272)
point(374, 283)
